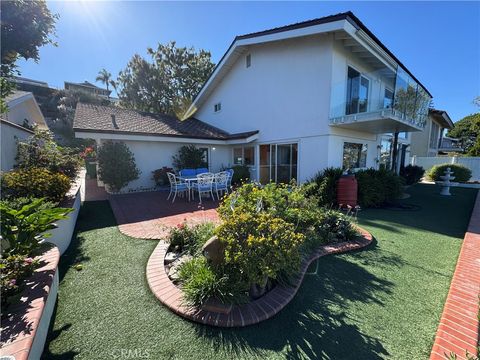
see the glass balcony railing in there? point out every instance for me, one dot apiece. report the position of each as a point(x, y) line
point(379, 95)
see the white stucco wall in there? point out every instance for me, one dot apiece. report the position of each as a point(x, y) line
point(285, 92)
point(9, 135)
point(288, 94)
point(151, 155)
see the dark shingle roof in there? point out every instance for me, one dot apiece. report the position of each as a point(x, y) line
point(115, 120)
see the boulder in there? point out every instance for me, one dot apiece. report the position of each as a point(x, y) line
point(214, 250)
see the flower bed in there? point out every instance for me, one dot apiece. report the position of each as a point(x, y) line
point(216, 314)
point(25, 324)
point(267, 237)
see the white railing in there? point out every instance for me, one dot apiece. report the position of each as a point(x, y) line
point(473, 163)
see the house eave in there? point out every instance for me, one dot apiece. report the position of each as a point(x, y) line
point(141, 136)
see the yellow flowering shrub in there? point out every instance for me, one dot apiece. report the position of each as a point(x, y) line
point(259, 246)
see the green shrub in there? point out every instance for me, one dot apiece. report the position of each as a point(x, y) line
point(23, 230)
point(376, 187)
point(412, 174)
point(259, 246)
point(189, 157)
point(35, 182)
point(116, 165)
point(41, 151)
point(241, 173)
point(160, 175)
point(14, 270)
point(460, 172)
point(18, 203)
point(288, 202)
point(323, 186)
point(336, 227)
point(190, 238)
point(201, 282)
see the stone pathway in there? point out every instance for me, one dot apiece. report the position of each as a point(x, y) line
point(149, 215)
point(458, 331)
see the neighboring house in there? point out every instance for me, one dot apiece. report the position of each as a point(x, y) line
point(427, 143)
point(315, 94)
point(17, 124)
point(88, 88)
point(448, 144)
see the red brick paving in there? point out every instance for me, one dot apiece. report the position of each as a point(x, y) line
point(458, 331)
point(93, 192)
point(149, 215)
point(20, 323)
point(240, 315)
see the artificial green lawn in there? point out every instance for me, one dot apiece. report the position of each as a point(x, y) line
point(382, 302)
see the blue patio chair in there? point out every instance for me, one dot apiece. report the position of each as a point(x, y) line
point(188, 172)
point(201, 171)
point(204, 185)
point(230, 176)
point(220, 183)
point(177, 186)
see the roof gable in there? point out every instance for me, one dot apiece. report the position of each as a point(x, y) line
point(305, 28)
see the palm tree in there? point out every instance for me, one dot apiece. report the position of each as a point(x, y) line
point(104, 76)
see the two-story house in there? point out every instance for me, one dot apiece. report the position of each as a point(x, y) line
point(88, 88)
point(291, 101)
point(429, 142)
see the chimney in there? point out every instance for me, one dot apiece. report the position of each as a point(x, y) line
point(114, 122)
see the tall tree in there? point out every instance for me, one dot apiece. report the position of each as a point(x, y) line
point(26, 25)
point(104, 77)
point(168, 82)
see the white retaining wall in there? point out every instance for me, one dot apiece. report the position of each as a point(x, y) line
point(62, 235)
point(473, 163)
point(42, 330)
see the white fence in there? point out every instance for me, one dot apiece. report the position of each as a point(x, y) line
point(473, 163)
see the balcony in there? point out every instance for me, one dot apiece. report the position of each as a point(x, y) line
point(378, 122)
point(384, 101)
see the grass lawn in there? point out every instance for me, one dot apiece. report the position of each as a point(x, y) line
point(382, 302)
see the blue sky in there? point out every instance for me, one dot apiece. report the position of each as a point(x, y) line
point(438, 41)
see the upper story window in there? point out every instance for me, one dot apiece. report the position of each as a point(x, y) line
point(248, 60)
point(357, 92)
point(388, 99)
point(217, 107)
point(434, 134)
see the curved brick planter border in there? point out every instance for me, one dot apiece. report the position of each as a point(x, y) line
point(458, 331)
point(240, 315)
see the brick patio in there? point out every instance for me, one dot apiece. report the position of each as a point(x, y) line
point(149, 215)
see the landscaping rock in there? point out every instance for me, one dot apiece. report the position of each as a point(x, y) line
point(170, 257)
point(175, 265)
point(214, 250)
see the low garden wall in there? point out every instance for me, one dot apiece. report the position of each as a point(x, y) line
point(25, 325)
point(62, 235)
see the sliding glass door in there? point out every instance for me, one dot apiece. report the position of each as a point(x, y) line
point(357, 92)
point(278, 162)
